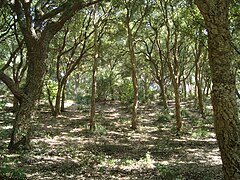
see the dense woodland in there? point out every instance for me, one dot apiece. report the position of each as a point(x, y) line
point(119, 89)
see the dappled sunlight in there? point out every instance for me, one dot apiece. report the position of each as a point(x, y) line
point(65, 148)
point(6, 127)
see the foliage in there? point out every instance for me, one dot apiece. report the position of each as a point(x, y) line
point(80, 99)
point(185, 113)
point(100, 130)
point(164, 116)
point(200, 132)
point(165, 170)
point(125, 91)
point(7, 171)
point(52, 87)
point(104, 88)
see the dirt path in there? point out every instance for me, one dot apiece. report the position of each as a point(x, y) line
point(63, 148)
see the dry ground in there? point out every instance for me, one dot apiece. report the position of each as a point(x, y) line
point(64, 148)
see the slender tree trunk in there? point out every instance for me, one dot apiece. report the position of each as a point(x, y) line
point(184, 88)
point(198, 79)
point(63, 98)
point(225, 108)
point(134, 76)
point(175, 78)
point(177, 106)
point(135, 100)
point(58, 100)
point(94, 72)
point(93, 97)
point(162, 92)
point(111, 86)
point(175, 84)
point(160, 76)
point(50, 100)
point(146, 89)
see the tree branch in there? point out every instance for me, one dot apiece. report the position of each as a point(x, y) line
point(18, 93)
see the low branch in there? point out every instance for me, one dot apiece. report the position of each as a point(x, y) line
point(18, 93)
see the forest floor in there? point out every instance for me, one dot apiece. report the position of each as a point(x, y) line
point(64, 148)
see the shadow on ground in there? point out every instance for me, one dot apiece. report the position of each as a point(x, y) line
point(64, 148)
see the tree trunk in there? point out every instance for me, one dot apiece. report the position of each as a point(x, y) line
point(172, 63)
point(160, 76)
point(198, 79)
point(50, 100)
point(63, 98)
point(22, 125)
point(94, 72)
point(226, 121)
point(58, 100)
point(134, 76)
point(177, 106)
point(135, 100)
point(162, 92)
point(93, 98)
point(184, 88)
point(146, 88)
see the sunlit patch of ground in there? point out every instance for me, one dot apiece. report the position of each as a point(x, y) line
point(64, 148)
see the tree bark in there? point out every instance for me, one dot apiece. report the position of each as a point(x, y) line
point(226, 121)
point(21, 134)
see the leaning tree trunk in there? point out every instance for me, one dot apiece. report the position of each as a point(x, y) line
point(226, 121)
point(22, 125)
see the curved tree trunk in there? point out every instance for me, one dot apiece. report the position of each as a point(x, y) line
point(226, 121)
